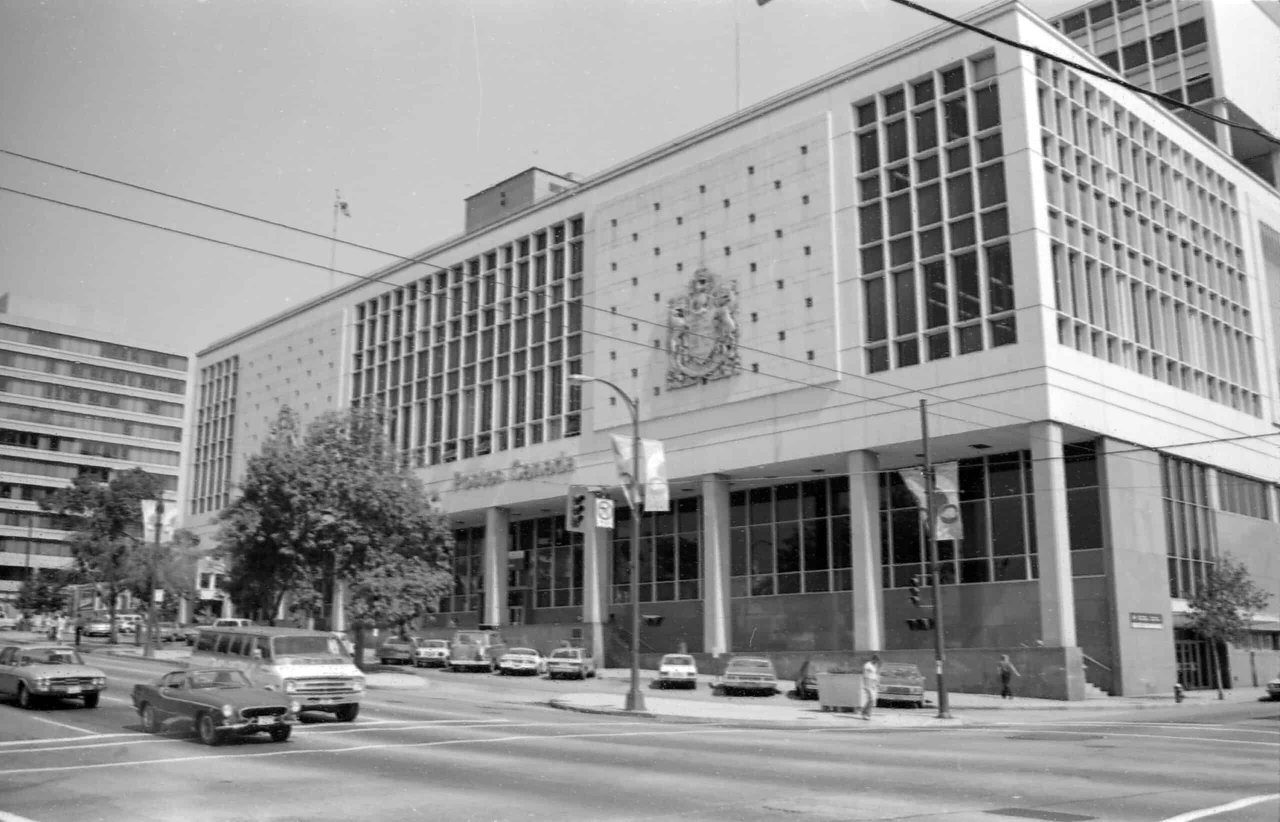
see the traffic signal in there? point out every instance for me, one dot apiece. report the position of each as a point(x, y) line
point(920, 624)
point(915, 589)
point(576, 508)
point(652, 620)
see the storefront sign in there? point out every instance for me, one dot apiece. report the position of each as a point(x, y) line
point(518, 470)
point(1154, 621)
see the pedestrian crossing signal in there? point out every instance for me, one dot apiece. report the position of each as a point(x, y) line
point(576, 509)
point(915, 589)
point(920, 624)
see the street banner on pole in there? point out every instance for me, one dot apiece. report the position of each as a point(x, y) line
point(168, 520)
point(653, 466)
point(946, 497)
point(622, 458)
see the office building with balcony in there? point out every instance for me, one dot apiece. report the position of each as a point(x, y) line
point(1073, 287)
point(75, 402)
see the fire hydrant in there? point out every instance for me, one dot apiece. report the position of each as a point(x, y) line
point(1177, 692)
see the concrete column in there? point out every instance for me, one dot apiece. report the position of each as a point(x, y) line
point(497, 541)
point(717, 620)
point(864, 531)
point(1053, 542)
point(1221, 131)
point(339, 621)
point(596, 543)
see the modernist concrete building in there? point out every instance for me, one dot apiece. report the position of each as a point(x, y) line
point(1083, 288)
point(75, 402)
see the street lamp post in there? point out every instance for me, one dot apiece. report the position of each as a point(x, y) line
point(635, 699)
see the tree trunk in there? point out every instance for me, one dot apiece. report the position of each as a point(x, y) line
point(359, 660)
point(1217, 669)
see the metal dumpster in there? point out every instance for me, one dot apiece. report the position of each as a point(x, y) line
point(840, 692)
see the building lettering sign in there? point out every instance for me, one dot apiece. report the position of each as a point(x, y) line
point(1152, 621)
point(518, 470)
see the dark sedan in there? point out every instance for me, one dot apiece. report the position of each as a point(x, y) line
point(219, 702)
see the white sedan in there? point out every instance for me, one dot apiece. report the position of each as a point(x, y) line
point(678, 670)
point(570, 663)
point(522, 661)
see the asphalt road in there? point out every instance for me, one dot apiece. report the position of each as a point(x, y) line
point(479, 747)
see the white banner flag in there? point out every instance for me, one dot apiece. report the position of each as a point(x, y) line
point(946, 497)
point(654, 494)
point(168, 520)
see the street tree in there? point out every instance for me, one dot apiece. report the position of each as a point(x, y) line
point(1222, 608)
point(331, 504)
point(106, 521)
point(40, 594)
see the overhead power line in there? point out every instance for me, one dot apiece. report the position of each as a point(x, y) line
point(1102, 75)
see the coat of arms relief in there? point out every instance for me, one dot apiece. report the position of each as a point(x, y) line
point(702, 332)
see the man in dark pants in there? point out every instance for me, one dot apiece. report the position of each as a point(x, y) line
point(79, 630)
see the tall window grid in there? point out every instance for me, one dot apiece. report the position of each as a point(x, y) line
point(556, 561)
point(1161, 46)
point(1242, 495)
point(1189, 525)
point(1148, 268)
point(472, 359)
point(937, 276)
point(670, 559)
point(466, 565)
point(215, 432)
point(792, 538)
point(998, 515)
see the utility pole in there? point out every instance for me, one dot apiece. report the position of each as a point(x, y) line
point(150, 649)
point(944, 708)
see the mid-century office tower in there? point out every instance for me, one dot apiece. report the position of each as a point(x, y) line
point(1081, 287)
point(75, 402)
point(1222, 58)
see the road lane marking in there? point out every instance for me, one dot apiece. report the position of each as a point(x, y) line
point(62, 739)
point(1230, 806)
point(369, 747)
point(1168, 737)
point(61, 724)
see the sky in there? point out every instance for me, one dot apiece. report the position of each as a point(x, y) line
point(407, 107)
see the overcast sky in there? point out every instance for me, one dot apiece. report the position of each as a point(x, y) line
point(407, 106)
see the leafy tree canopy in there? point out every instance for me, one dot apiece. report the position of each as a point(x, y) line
point(1222, 608)
point(329, 502)
point(106, 521)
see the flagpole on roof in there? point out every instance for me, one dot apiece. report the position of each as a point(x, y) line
point(339, 206)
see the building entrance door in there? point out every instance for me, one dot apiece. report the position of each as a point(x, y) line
point(1195, 658)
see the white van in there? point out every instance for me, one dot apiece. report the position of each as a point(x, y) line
point(312, 667)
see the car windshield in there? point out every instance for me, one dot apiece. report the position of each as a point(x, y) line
point(750, 665)
point(306, 646)
point(677, 659)
point(900, 671)
point(218, 679)
point(436, 643)
point(52, 656)
point(522, 652)
point(565, 653)
point(464, 638)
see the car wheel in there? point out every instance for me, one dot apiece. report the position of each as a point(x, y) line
point(25, 699)
point(150, 722)
point(207, 731)
point(347, 713)
point(91, 700)
point(693, 686)
point(281, 734)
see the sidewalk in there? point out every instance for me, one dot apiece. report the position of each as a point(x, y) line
point(700, 704)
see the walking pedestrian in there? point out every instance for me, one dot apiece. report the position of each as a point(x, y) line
point(870, 685)
point(1007, 673)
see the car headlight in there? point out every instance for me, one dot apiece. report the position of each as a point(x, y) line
point(357, 685)
point(228, 711)
point(42, 683)
point(99, 681)
point(290, 686)
point(295, 706)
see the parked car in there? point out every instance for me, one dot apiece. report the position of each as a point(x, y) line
point(8, 623)
point(165, 631)
point(570, 663)
point(98, 626)
point(431, 653)
point(232, 622)
point(128, 623)
point(1273, 688)
point(748, 674)
point(901, 682)
point(522, 661)
point(677, 670)
point(190, 633)
point(475, 650)
point(218, 702)
point(807, 679)
point(32, 673)
point(397, 649)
